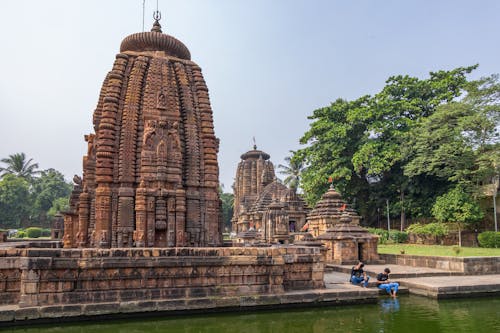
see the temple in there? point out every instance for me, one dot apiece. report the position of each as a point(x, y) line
point(336, 225)
point(150, 176)
point(264, 209)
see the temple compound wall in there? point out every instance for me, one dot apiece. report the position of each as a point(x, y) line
point(150, 176)
point(35, 277)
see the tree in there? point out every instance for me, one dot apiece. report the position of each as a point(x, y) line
point(46, 189)
point(361, 143)
point(459, 207)
point(458, 141)
point(14, 201)
point(18, 166)
point(58, 205)
point(292, 171)
point(227, 208)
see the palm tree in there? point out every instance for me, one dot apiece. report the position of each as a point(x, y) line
point(292, 170)
point(17, 165)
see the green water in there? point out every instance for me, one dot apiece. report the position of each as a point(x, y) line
point(407, 314)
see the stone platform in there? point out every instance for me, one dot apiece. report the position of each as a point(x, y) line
point(430, 282)
point(341, 295)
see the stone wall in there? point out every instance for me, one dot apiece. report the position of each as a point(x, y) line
point(40, 277)
point(469, 238)
point(467, 265)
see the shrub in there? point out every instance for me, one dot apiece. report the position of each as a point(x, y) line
point(398, 236)
point(20, 234)
point(33, 232)
point(46, 232)
point(382, 233)
point(434, 229)
point(489, 239)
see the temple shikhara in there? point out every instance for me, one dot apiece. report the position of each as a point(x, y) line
point(264, 209)
point(150, 176)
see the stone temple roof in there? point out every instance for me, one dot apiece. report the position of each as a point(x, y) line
point(331, 204)
point(273, 191)
point(155, 40)
point(255, 154)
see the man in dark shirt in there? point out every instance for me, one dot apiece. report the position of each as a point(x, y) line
point(358, 275)
point(383, 282)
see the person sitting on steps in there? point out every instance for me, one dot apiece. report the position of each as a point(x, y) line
point(383, 282)
point(358, 275)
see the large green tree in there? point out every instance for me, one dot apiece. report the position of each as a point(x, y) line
point(15, 201)
point(16, 164)
point(458, 143)
point(46, 190)
point(361, 144)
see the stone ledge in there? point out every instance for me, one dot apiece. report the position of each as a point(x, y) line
point(13, 315)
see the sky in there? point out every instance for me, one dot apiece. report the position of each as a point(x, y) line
point(268, 64)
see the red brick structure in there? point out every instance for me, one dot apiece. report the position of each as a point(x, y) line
point(150, 176)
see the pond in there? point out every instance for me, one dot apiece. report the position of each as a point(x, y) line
point(406, 314)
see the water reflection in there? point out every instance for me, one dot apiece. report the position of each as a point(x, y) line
point(406, 314)
point(390, 305)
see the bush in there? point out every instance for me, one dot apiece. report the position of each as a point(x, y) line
point(20, 234)
point(33, 232)
point(46, 232)
point(433, 229)
point(489, 239)
point(385, 236)
point(398, 236)
point(382, 233)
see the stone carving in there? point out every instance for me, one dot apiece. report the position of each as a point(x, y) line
point(150, 176)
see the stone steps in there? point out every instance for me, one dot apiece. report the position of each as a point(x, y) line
point(395, 275)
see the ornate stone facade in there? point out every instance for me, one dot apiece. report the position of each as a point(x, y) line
point(262, 203)
point(150, 176)
point(336, 225)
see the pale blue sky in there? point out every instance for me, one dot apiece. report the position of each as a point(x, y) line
point(268, 63)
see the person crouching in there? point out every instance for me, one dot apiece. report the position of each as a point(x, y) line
point(358, 275)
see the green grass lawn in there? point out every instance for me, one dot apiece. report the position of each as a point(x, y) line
point(437, 250)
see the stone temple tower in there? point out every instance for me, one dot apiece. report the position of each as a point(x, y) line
point(253, 174)
point(150, 177)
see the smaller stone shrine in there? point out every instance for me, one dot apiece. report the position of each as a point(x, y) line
point(347, 243)
point(336, 225)
point(263, 204)
point(327, 213)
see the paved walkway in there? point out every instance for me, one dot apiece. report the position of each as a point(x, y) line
point(429, 282)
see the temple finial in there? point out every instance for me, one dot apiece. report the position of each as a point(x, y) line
point(156, 24)
point(254, 144)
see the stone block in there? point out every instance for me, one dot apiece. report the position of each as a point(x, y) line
point(138, 306)
point(97, 309)
point(7, 315)
point(171, 305)
point(27, 313)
